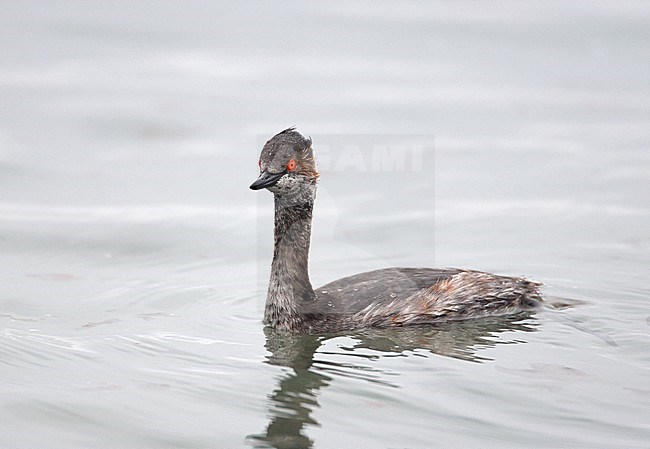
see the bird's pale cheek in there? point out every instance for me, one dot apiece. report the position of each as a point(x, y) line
point(287, 185)
point(283, 186)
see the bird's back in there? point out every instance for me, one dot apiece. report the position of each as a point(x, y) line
point(354, 293)
point(405, 296)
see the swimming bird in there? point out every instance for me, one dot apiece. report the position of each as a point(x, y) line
point(380, 298)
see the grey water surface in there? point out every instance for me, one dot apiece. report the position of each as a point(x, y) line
point(511, 137)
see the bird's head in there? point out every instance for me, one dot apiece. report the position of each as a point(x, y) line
point(286, 164)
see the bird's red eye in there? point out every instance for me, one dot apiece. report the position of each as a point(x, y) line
point(291, 165)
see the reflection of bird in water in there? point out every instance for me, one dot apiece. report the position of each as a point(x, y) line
point(391, 297)
point(296, 396)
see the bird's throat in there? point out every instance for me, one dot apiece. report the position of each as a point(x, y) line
point(290, 289)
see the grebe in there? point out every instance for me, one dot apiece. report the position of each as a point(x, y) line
point(380, 298)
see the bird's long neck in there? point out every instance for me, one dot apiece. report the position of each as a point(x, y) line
point(289, 288)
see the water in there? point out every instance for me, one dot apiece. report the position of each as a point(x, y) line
point(134, 258)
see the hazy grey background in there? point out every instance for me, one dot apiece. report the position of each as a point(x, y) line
point(133, 256)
